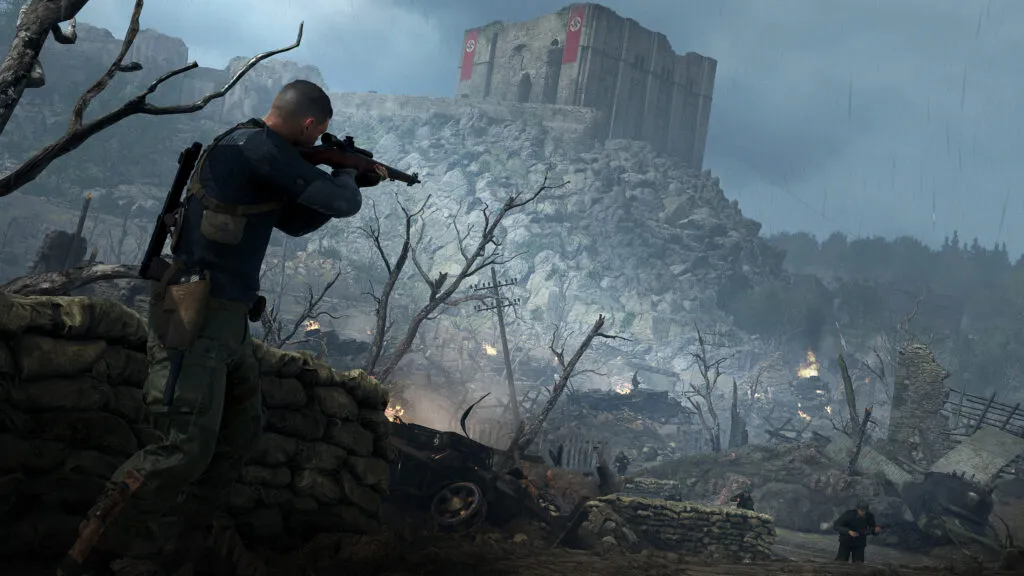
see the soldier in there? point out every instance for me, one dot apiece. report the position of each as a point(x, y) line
point(203, 389)
point(621, 463)
point(744, 501)
point(853, 527)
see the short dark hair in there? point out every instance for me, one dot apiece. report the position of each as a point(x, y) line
point(303, 99)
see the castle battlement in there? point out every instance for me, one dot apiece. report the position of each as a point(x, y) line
point(586, 55)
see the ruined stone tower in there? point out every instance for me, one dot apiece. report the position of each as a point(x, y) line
point(587, 55)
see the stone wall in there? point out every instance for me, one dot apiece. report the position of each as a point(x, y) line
point(915, 425)
point(588, 55)
point(71, 411)
point(682, 528)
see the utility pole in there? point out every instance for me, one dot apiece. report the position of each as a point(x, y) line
point(498, 304)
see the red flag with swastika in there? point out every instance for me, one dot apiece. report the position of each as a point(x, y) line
point(468, 55)
point(572, 34)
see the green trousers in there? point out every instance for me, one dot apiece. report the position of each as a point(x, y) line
point(206, 402)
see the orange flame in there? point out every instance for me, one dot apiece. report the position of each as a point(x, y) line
point(809, 368)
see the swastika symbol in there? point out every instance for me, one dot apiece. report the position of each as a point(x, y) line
point(575, 23)
point(470, 45)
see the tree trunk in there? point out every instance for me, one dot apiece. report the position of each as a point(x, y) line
point(63, 282)
point(738, 428)
point(34, 23)
point(851, 398)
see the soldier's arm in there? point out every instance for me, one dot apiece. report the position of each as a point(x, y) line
point(298, 220)
point(842, 523)
point(278, 164)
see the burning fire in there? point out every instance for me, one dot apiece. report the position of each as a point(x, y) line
point(623, 387)
point(804, 415)
point(829, 410)
point(394, 412)
point(490, 350)
point(310, 325)
point(809, 368)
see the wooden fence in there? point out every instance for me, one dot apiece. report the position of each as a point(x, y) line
point(578, 450)
point(968, 413)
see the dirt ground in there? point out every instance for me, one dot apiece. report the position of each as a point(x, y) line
point(525, 554)
point(459, 556)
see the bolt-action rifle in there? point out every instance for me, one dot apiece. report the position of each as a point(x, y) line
point(154, 266)
point(342, 153)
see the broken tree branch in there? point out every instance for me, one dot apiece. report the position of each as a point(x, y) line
point(79, 131)
point(65, 281)
point(36, 20)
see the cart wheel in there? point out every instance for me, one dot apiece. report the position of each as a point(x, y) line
point(459, 507)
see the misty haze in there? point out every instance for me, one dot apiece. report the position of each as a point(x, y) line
point(673, 287)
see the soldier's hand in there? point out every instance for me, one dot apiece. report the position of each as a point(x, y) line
point(382, 171)
point(853, 534)
point(369, 178)
point(878, 529)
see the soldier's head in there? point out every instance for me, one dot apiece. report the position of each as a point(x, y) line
point(301, 112)
point(862, 508)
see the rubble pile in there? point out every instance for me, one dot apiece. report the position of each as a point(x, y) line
point(686, 529)
point(71, 411)
point(796, 484)
point(648, 426)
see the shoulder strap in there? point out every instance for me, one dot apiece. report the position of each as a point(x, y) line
point(195, 187)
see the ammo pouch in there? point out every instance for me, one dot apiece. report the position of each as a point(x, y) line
point(179, 316)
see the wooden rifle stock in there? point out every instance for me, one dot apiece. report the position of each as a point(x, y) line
point(154, 266)
point(342, 153)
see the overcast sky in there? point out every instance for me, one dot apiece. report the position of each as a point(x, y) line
point(849, 115)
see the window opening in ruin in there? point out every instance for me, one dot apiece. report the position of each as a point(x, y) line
point(554, 43)
point(524, 88)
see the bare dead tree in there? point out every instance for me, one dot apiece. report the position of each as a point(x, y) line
point(701, 395)
point(382, 301)
point(442, 288)
point(528, 433)
point(36, 20)
point(886, 353)
point(758, 383)
point(277, 334)
point(78, 130)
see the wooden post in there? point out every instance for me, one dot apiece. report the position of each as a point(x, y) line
point(981, 419)
point(1010, 417)
point(963, 394)
point(78, 232)
point(512, 394)
point(498, 304)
